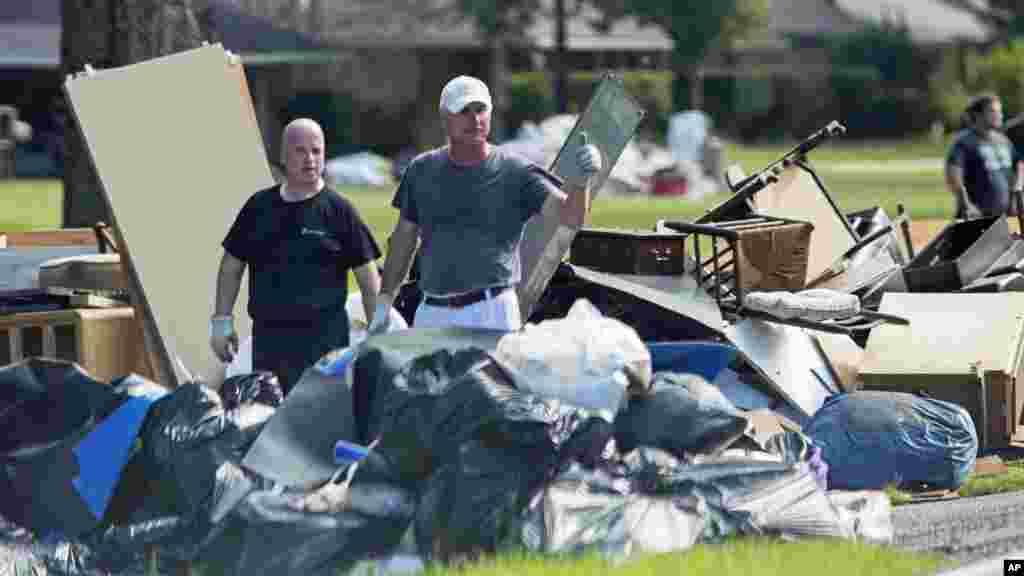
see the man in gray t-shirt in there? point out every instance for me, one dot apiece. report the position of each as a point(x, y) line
point(468, 203)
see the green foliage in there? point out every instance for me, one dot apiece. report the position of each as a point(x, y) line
point(878, 84)
point(1000, 70)
point(885, 48)
point(500, 16)
point(531, 96)
point(694, 25)
point(333, 111)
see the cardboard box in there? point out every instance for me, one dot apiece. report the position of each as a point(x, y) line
point(962, 348)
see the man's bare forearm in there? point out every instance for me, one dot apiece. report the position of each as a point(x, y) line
point(229, 280)
point(401, 248)
point(369, 285)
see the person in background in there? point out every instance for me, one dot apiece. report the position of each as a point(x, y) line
point(468, 202)
point(298, 240)
point(984, 171)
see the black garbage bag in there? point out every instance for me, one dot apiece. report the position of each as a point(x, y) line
point(260, 387)
point(683, 414)
point(371, 514)
point(186, 478)
point(186, 438)
point(584, 438)
point(441, 400)
point(47, 407)
point(870, 439)
point(473, 504)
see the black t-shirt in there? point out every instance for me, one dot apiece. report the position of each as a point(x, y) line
point(298, 253)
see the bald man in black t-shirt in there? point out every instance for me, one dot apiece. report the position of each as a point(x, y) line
point(298, 240)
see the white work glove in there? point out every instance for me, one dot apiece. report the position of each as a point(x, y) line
point(381, 318)
point(588, 158)
point(223, 338)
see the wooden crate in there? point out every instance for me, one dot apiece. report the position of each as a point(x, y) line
point(107, 343)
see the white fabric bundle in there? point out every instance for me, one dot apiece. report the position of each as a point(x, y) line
point(817, 304)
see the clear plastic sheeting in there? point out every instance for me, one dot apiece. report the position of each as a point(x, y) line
point(867, 514)
point(871, 439)
point(573, 516)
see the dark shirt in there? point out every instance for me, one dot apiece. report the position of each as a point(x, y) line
point(988, 165)
point(298, 253)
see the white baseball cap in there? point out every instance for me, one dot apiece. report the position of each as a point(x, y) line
point(462, 90)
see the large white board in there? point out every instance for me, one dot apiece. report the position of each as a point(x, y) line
point(177, 148)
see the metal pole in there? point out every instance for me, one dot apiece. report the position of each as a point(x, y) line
point(561, 66)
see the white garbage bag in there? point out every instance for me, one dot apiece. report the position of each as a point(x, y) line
point(585, 359)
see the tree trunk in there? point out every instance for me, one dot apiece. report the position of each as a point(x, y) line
point(687, 87)
point(499, 91)
point(561, 66)
point(108, 34)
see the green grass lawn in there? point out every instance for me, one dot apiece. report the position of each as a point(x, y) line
point(30, 204)
point(838, 150)
point(739, 557)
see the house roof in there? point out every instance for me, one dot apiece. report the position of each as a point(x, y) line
point(624, 34)
point(928, 21)
point(258, 40)
point(438, 23)
point(401, 23)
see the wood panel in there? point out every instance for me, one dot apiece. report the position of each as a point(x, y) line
point(57, 237)
point(178, 151)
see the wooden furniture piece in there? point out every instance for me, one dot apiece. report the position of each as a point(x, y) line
point(963, 348)
point(106, 342)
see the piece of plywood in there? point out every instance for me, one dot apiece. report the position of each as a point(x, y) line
point(609, 122)
point(797, 196)
point(176, 146)
point(949, 334)
point(790, 360)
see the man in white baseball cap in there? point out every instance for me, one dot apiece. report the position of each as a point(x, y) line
point(467, 204)
point(462, 90)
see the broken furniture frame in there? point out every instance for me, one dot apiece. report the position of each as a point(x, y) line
point(722, 278)
point(739, 205)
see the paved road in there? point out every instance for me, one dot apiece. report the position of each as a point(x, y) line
point(966, 529)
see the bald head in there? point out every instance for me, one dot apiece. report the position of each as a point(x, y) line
point(300, 127)
point(302, 152)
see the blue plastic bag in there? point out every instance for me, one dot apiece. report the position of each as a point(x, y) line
point(871, 439)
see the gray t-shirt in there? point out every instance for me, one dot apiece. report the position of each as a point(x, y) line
point(471, 219)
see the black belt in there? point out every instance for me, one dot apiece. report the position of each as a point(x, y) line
point(463, 300)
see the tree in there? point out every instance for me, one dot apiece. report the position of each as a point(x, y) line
point(107, 34)
point(695, 26)
point(499, 21)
